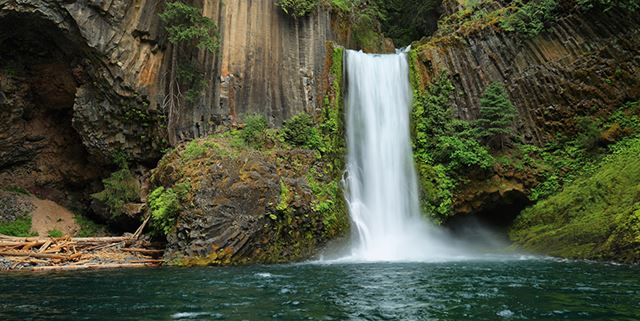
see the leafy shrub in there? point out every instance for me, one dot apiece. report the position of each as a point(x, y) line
point(193, 150)
point(20, 227)
point(300, 131)
point(120, 188)
point(254, 130)
point(297, 8)
point(529, 18)
point(165, 205)
point(461, 154)
point(432, 114)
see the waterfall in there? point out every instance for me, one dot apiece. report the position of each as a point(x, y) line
point(381, 182)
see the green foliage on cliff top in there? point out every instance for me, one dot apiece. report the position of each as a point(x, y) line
point(185, 23)
point(297, 8)
point(529, 17)
point(120, 188)
point(597, 216)
point(20, 227)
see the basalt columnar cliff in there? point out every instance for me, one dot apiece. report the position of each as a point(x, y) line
point(85, 121)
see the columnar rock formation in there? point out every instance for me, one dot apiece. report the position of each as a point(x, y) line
point(581, 64)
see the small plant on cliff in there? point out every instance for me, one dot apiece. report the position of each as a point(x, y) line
point(193, 150)
point(529, 18)
point(186, 28)
point(297, 8)
point(164, 204)
point(497, 115)
point(300, 131)
point(254, 132)
point(120, 188)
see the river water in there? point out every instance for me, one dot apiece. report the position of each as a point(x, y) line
point(493, 289)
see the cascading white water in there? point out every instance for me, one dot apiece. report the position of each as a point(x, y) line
point(382, 186)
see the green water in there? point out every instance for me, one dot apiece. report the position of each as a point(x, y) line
point(481, 290)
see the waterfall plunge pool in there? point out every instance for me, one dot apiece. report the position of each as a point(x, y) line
point(500, 289)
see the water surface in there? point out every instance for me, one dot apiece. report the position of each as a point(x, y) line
point(480, 290)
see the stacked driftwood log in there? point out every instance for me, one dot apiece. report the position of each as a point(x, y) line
point(77, 253)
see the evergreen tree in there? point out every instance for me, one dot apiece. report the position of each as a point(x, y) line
point(186, 27)
point(497, 114)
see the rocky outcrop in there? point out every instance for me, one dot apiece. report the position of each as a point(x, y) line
point(582, 64)
point(243, 205)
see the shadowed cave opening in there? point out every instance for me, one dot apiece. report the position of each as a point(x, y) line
point(490, 221)
point(40, 151)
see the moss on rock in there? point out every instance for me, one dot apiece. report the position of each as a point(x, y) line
point(597, 216)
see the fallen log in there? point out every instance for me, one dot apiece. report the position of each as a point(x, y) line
point(42, 255)
point(144, 251)
point(90, 267)
point(102, 239)
point(148, 261)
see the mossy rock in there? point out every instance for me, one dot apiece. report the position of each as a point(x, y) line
point(595, 217)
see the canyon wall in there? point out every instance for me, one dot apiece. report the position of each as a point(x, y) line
point(581, 64)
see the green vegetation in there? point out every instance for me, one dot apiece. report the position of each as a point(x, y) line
point(186, 24)
point(187, 29)
point(88, 227)
point(608, 4)
point(120, 188)
point(254, 131)
point(596, 216)
point(193, 150)
point(17, 189)
point(529, 17)
point(55, 233)
point(406, 21)
point(165, 205)
point(20, 227)
point(300, 131)
point(497, 115)
point(446, 150)
point(297, 8)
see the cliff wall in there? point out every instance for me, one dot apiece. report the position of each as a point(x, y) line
point(581, 64)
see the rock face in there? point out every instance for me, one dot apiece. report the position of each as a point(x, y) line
point(71, 78)
point(268, 63)
point(106, 66)
point(84, 81)
point(245, 205)
point(582, 64)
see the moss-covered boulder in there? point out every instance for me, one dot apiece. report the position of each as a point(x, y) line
point(221, 201)
point(595, 217)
